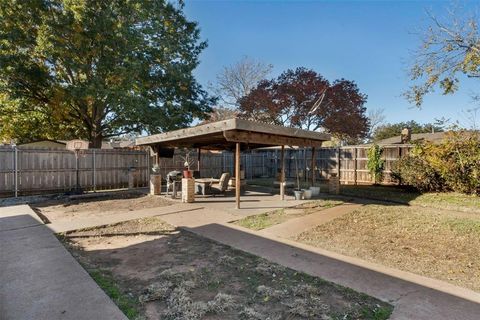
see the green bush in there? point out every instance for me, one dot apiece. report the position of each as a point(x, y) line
point(375, 163)
point(457, 160)
point(416, 172)
point(452, 165)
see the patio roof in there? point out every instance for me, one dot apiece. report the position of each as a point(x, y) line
point(223, 135)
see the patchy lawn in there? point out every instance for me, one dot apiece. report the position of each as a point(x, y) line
point(156, 272)
point(443, 200)
point(67, 209)
point(433, 243)
point(265, 220)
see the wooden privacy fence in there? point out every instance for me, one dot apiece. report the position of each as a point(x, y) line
point(26, 171)
point(34, 171)
point(349, 163)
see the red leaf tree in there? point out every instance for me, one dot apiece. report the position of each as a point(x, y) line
point(289, 99)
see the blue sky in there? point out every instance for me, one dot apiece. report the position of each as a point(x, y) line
point(368, 42)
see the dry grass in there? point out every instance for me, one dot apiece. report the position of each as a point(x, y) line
point(434, 243)
point(173, 274)
point(265, 220)
point(440, 200)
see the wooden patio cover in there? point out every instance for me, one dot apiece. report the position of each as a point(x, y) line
point(235, 134)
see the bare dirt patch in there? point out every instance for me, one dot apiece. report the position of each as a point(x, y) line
point(67, 209)
point(174, 274)
point(426, 241)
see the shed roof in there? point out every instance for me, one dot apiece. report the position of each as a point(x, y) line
point(225, 134)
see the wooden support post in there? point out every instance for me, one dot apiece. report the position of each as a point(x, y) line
point(234, 163)
point(157, 155)
point(282, 174)
point(237, 175)
point(312, 169)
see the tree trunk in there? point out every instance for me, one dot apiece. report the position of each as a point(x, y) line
point(96, 136)
point(96, 141)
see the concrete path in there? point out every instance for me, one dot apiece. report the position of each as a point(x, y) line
point(298, 225)
point(39, 279)
point(414, 297)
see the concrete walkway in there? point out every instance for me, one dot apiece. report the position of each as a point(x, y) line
point(39, 279)
point(301, 224)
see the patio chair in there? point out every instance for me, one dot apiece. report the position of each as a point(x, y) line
point(173, 179)
point(222, 185)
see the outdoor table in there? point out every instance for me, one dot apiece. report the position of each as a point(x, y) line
point(202, 184)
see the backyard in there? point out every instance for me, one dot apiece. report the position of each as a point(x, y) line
point(190, 277)
point(251, 160)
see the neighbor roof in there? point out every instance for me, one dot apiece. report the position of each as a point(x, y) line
point(225, 134)
point(416, 137)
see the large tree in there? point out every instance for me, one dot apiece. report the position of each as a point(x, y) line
point(390, 130)
point(237, 80)
point(289, 100)
point(96, 69)
point(449, 50)
point(376, 118)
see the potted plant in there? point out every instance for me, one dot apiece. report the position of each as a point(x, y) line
point(307, 194)
point(315, 190)
point(188, 161)
point(156, 169)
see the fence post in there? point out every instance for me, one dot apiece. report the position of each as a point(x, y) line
point(15, 170)
point(263, 164)
point(355, 165)
point(338, 163)
point(223, 161)
point(148, 167)
point(94, 172)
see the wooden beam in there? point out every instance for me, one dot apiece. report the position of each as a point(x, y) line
point(237, 175)
point(261, 127)
point(269, 139)
point(215, 128)
point(282, 174)
point(314, 162)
